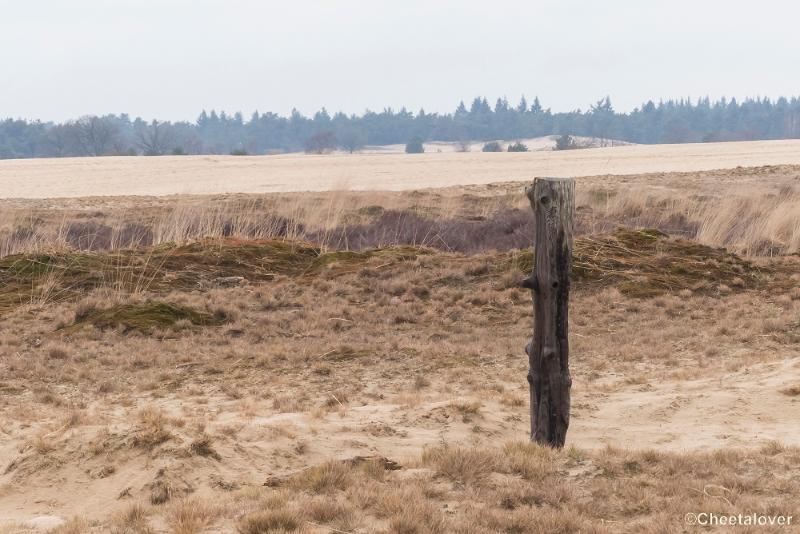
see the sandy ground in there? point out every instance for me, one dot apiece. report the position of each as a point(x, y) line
point(399, 356)
point(79, 177)
point(676, 395)
point(710, 411)
point(396, 359)
point(675, 416)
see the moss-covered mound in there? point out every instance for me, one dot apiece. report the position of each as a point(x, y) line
point(641, 263)
point(42, 278)
point(646, 263)
point(145, 317)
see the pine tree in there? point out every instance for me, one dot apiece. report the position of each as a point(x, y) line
point(522, 107)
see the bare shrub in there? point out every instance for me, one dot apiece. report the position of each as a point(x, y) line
point(131, 520)
point(326, 477)
point(89, 235)
point(270, 521)
point(152, 430)
point(202, 446)
point(460, 464)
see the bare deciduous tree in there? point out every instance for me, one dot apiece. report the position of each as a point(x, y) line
point(95, 135)
point(154, 139)
point(60, 140)
point(352, 140)
point(321, 142)
point(463, 145)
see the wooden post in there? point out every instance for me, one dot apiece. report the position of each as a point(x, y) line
point(553, 204)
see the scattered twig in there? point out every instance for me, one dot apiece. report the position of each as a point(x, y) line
point(329, 528)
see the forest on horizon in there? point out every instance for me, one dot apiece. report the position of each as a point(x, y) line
point(671, 121)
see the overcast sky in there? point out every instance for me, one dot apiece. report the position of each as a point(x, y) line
point(169, 59)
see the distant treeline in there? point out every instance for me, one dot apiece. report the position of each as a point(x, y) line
point(673, 121)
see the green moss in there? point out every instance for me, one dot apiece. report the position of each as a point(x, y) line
point(641, 290)
point(66, 276)
point(523, 261)
point(639, 238)
point(371, 211)
point(647, 263)
point(45, 277)
point(31, 266)
point(345, 353)
point(641, 262)
point(146, 317)
point(34, 266)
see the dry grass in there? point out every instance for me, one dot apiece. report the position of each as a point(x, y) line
point(271, 521)
point(479, 490)
point(467, 466)
point(322, 359)
point(203, 446)
point(152, 430)
point(76, 525)
point(324, 478)
point(132, 519)
point(191, 516)
point(752, 211)
point(642, 263)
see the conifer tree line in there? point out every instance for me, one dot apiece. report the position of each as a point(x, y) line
point(672, 121)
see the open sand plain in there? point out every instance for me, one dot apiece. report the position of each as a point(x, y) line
point(177, 175)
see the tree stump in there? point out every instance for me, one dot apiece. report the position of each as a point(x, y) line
point(553, 204)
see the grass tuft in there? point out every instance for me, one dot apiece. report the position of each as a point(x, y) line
point(270, 522)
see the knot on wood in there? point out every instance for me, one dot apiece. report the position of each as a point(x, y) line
point(530, 283)
point(530, 377)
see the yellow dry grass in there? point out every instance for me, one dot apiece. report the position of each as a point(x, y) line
point(385, 391)
point(176, 430)
point(752, 211)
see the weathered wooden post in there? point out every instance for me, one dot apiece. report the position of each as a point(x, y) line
point(553, 203)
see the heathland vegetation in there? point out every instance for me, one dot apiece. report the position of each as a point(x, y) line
point(352, 361)
point(672, 121)
point(750, 211)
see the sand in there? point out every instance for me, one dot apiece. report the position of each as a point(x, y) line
point(170, 175)
point(674, 374)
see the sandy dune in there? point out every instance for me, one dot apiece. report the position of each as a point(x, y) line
point(78, 177)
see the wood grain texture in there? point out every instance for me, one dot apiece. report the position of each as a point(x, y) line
point(553, 204)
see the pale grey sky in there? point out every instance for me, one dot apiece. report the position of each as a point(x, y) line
point(169, 59)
